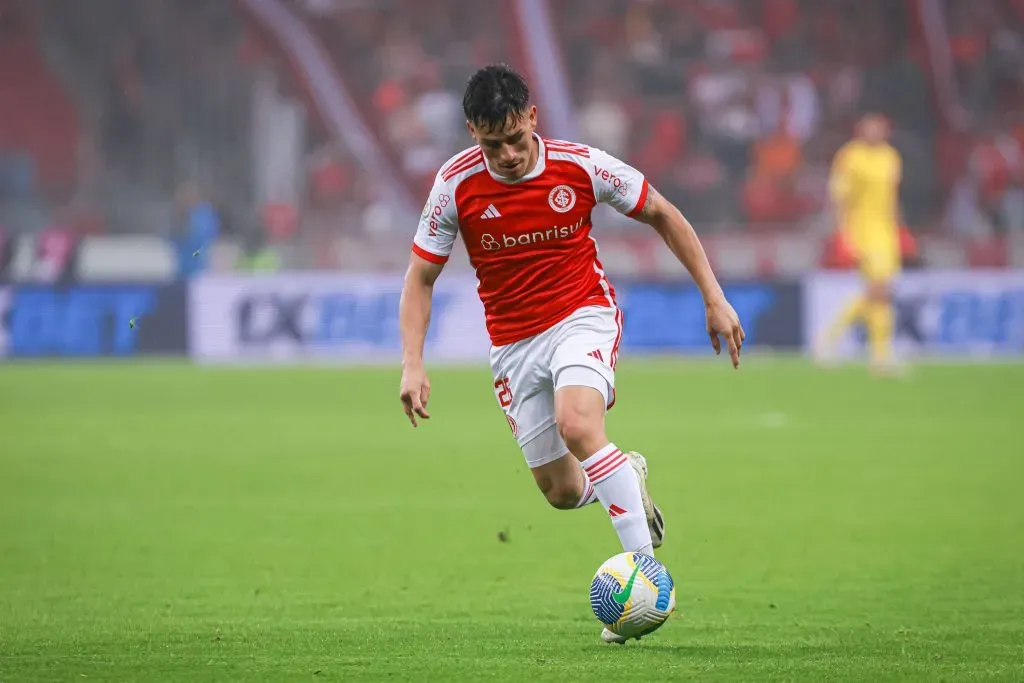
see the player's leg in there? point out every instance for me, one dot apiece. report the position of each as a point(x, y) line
point(582, 368)
point(526, 394)
point(558, 473)
point(880, 325)
point(878, 267)
point(881, 318)
point(579, 410)
point(853, 313)
point(583, 371)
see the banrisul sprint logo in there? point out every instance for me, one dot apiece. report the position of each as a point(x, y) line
point(492, 242)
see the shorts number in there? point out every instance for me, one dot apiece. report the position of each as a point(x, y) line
point(504, 392)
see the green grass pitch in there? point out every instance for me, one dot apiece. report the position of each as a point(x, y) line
point(161, 522)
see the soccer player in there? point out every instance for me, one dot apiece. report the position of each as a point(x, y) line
point(864, 189)
point(523, 206)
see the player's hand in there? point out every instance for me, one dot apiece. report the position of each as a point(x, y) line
point(415, 393)
point(724, 323)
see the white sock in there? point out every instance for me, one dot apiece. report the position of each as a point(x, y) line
point(619, 491)
point(589, 492)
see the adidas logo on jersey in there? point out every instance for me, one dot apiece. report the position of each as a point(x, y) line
point(491, 212)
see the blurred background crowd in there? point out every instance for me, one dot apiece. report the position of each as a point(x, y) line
point(305, 133)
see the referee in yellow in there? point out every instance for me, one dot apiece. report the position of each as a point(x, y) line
point(864, 189)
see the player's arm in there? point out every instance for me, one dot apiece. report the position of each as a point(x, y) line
point(669, 222)
point(897, 179)
point(414, 307)
point(435, 236)
point(625, 189)
point(413, 322)
point(840, 194)
point(677, 232)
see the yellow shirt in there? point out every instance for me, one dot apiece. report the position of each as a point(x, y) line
point(864, 186)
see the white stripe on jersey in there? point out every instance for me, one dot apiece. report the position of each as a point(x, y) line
point(600, 274)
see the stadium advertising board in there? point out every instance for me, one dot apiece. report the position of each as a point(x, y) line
point(975, 314)
point(93, 321)
point(354, 318)
point(327, 317)
point(669, 317)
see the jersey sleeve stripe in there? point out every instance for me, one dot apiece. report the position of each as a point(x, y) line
point(564, 143)
point(461, 157)
point(571, 152)
point(640, 202)
point(428, 256)
point(459, 161)
point(461, 166)
point(555, 146)
point(568, 148)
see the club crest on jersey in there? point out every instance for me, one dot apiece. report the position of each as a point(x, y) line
point(426, 209)
point(562, 198)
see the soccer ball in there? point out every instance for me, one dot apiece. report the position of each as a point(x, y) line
point(632, 594)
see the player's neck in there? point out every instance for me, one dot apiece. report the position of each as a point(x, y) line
point(531, 163)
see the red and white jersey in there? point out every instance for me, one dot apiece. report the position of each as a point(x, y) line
point(529, 240)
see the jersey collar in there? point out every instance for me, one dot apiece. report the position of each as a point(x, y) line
point(537, 169)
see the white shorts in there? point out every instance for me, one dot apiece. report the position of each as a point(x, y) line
point(579, 351)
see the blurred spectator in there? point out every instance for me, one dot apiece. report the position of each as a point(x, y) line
point(729, 106)
point(6, 253)
point(604, 122)
point(439, 109)
point(663, 140)
point(700, 186)
point(771, 194)
point(198, 227)
point(280, 221)
point(1012, 209)
point(788, 101)
point(778, 156)
point(257, 255)
point(56, 246)
point(329, 177)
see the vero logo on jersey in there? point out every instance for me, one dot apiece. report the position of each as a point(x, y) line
point(492, 242)
point(431, 214)
point(620, 186)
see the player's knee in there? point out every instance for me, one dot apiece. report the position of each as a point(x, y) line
point(581, 429)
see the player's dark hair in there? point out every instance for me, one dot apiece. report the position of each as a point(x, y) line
point(494, 94)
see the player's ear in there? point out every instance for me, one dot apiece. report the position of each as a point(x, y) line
point(472, 130)
point(532, 117)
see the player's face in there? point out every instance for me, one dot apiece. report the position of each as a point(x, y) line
point(510, 151)
point(874, 130)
